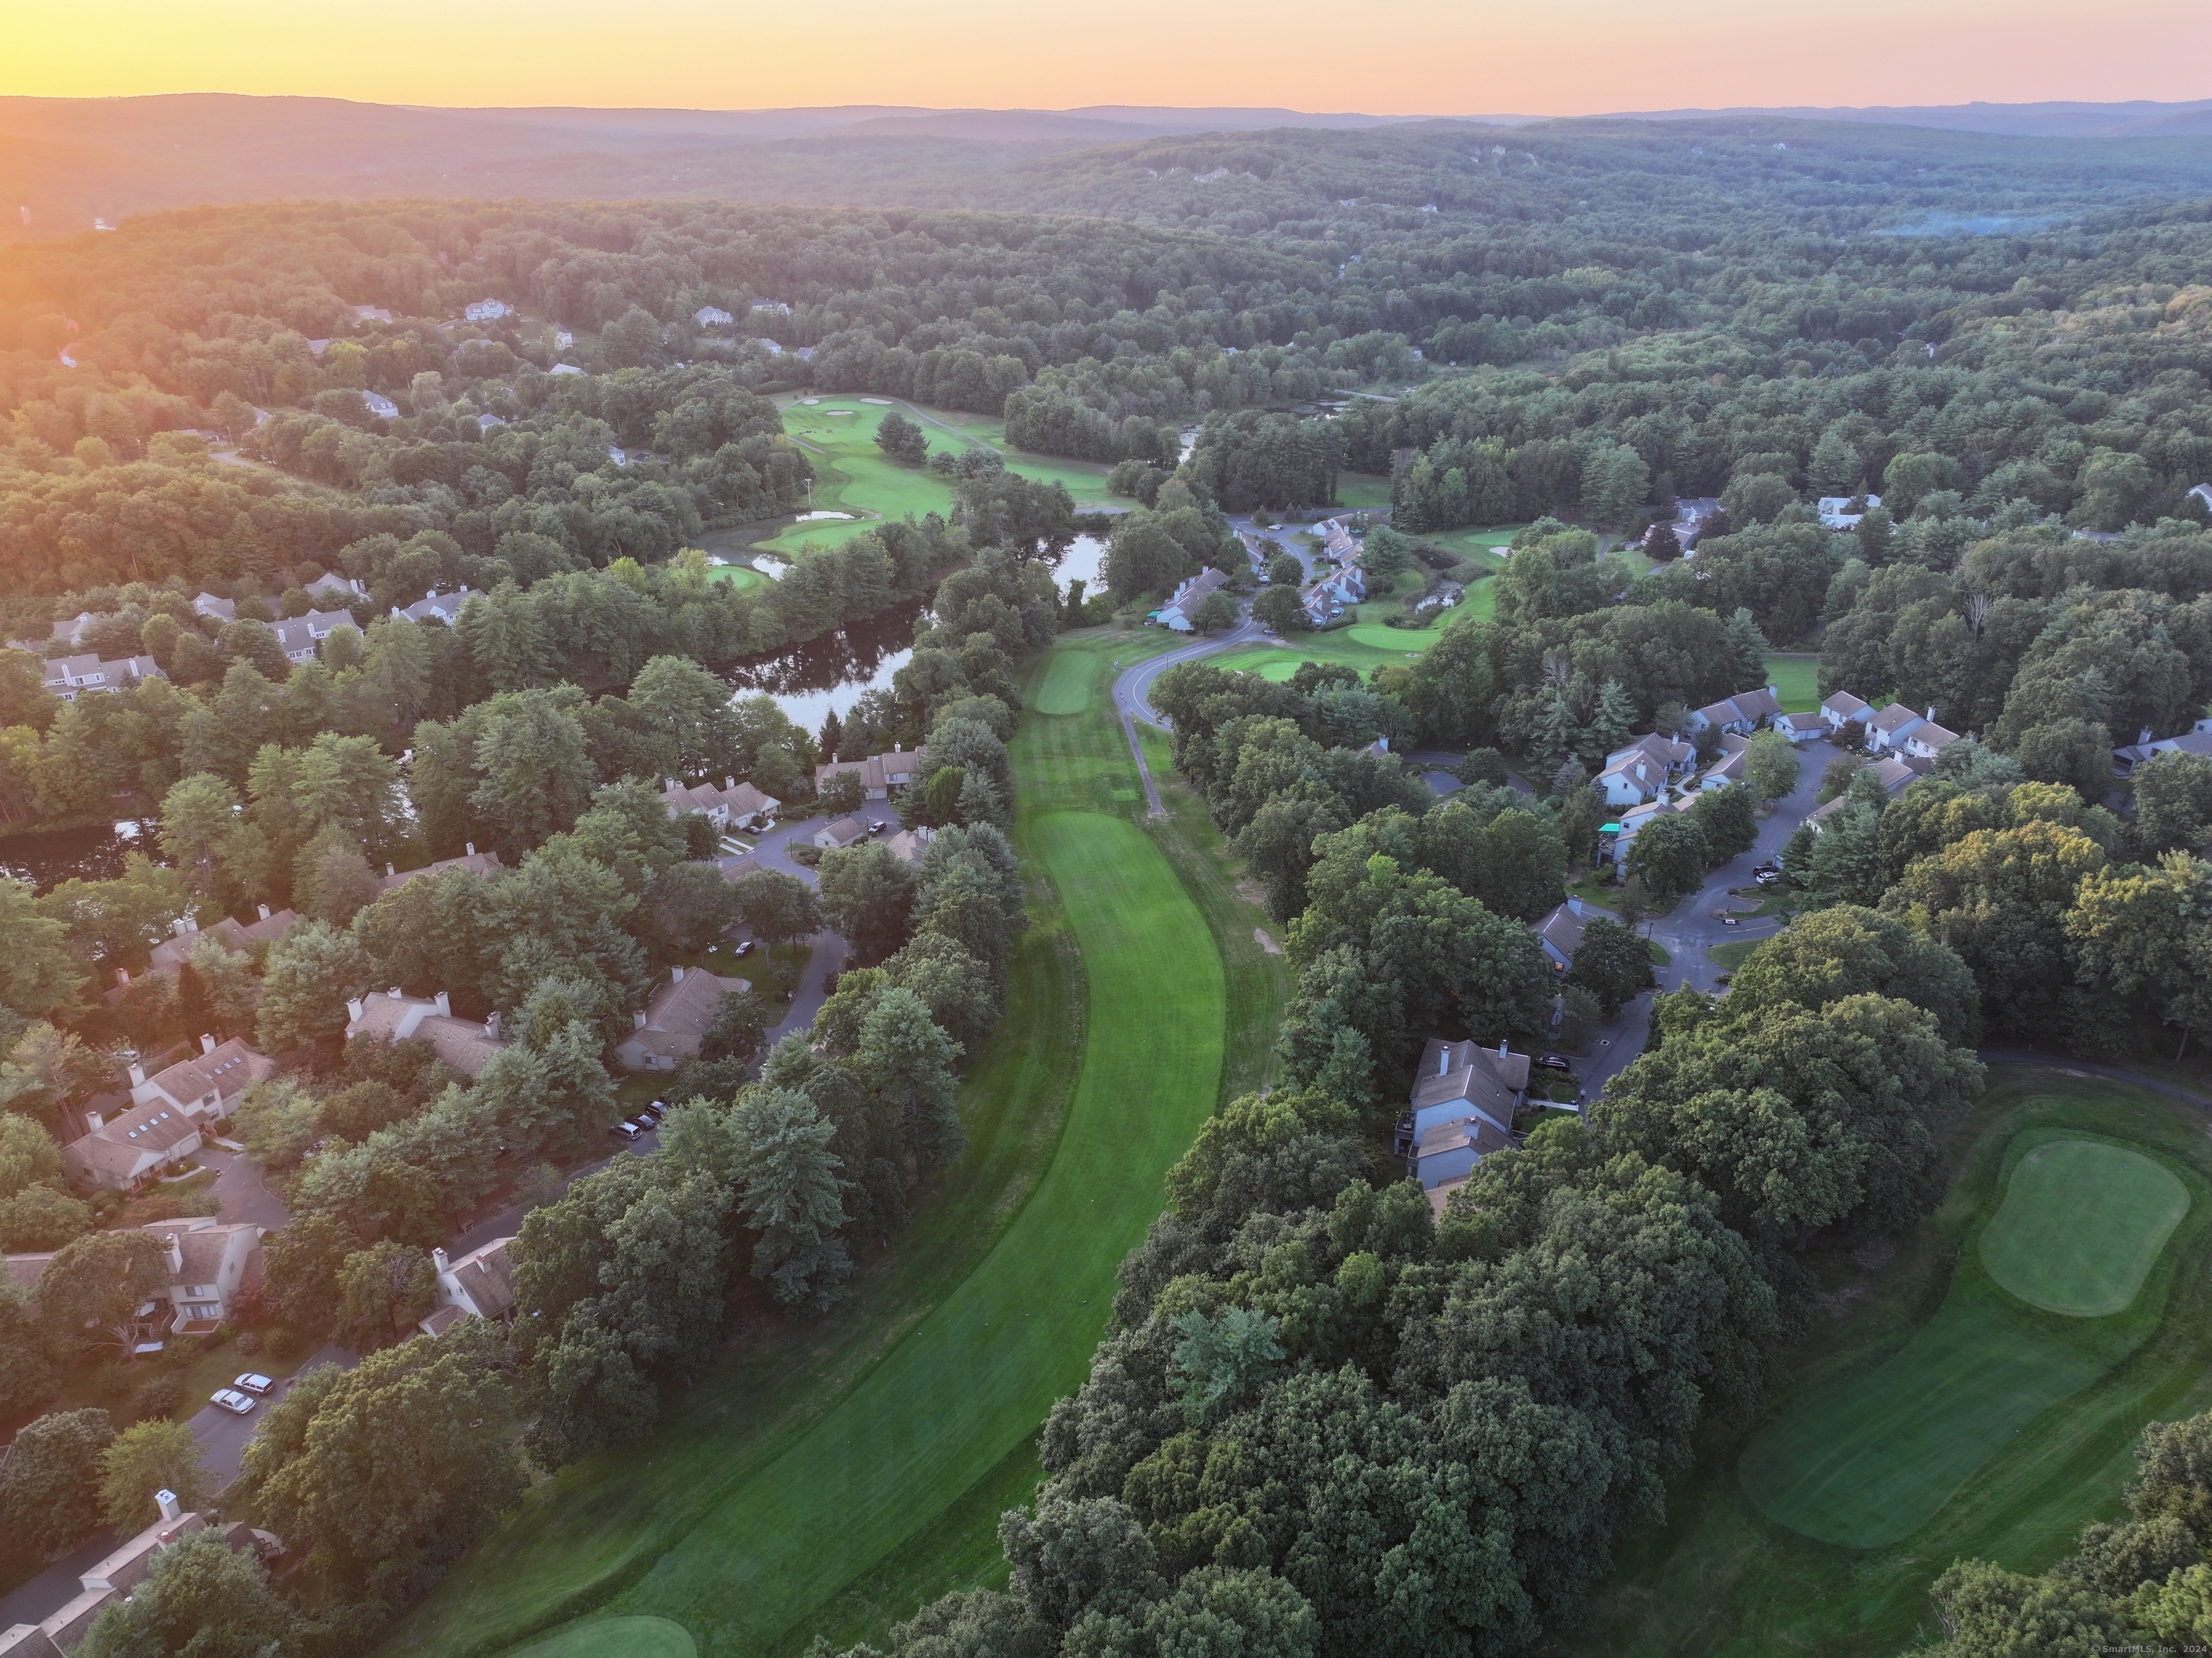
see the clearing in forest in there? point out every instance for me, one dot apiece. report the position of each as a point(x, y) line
point(1363, 646)
point(1930, 1405)
point(1867, 1459)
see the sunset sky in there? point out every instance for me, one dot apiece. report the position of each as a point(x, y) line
point(1384, 56)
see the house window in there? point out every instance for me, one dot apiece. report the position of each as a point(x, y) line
point(211, 1311)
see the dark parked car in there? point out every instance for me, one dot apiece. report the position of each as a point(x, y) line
point(1555, 1061)
point(654, 1112)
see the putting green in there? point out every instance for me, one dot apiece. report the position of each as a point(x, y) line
point(2081, 1226)
point(1399, 641)
point(1868, 1460)
point(1067, 681)
point(615, 1637)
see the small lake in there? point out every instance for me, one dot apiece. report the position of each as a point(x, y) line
point(809, 680)
point(1084, 560)
point(94, 852)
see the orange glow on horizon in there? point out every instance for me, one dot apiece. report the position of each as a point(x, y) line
point(1388, 58)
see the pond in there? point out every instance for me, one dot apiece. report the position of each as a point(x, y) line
point(1084, 560)
point(92, 852)
point(808, 681)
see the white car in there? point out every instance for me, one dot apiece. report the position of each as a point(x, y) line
point(253, 1383)
point(230, 1399)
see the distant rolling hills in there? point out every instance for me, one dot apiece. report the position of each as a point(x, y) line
point(66, 163)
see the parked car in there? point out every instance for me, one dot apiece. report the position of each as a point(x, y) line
point(625, 1130)
point(877, 826)
point(1766, 877)
point(251, 1383)
point(1555, 1061)
point(230, 1399)
point(654, 1112)
point(744, 949)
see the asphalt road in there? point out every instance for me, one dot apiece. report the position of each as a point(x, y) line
point(1133, 687)
point(1694, 925)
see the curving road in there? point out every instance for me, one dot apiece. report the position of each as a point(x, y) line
point(1133, 688)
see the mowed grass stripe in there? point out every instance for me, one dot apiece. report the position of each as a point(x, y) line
point(2081, 1225)
point(978, 1375)
point(615, 1637)
point(1067, 681)
point(1869, 1461)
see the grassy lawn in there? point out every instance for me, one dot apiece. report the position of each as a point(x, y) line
point(615, 1637)
point(1068, 679)
point(1930, 1414)
point(1361, 491)
point(1731, 955)
point(1486, 546)
point(1797, 682)
point(2081, 1226)
point(1377, 610)
point(1363, 645)
point(851, 475)
point(830, 1475)
point(1085, 479)
point(740, 575)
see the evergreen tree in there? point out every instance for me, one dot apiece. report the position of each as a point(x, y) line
point(792, 1194)
point(1554, 740)
point(1612, 723)
point(908, 1062)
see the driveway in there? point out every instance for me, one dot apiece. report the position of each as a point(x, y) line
point(223, 1437)
point(242, 1196)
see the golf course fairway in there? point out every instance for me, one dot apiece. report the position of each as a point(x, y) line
point(1868, 1459)
point(832, 1473)
point(615, 1637)
point(977, 1376)
point(1929, 1404)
